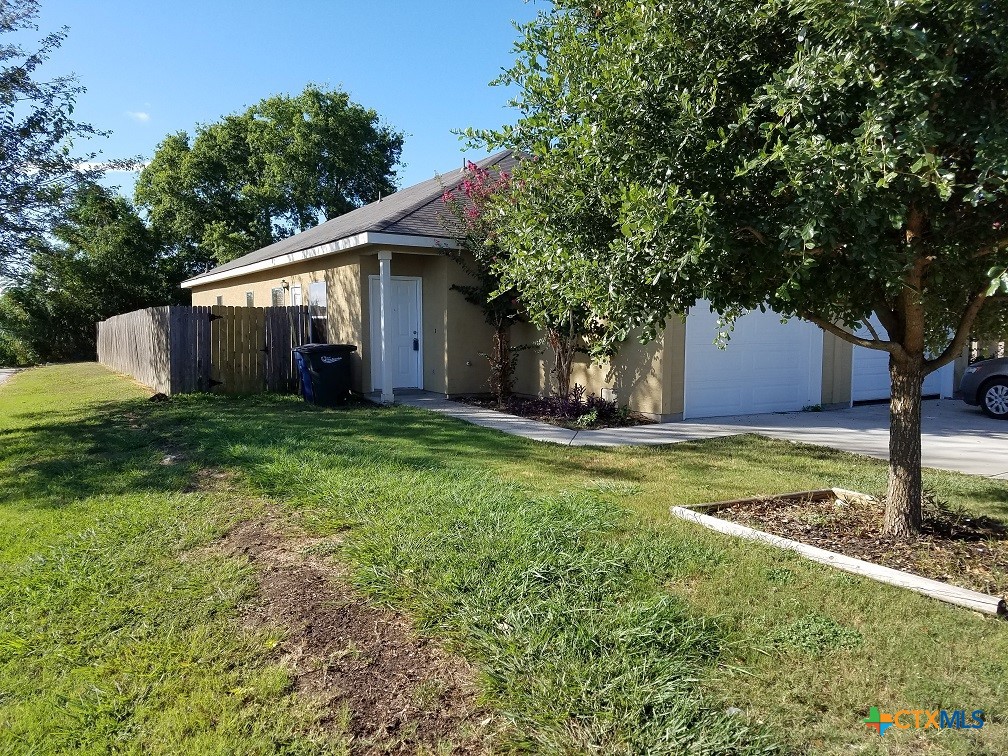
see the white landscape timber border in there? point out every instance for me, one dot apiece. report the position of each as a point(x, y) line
point(980, 602)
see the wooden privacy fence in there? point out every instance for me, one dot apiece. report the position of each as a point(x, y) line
point(179, 350)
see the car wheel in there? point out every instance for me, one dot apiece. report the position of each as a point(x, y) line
point(994, 398)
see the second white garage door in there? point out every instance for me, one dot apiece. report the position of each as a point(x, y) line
point(870, 373)
point(767, 366)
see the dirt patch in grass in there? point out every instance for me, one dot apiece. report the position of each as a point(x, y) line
point(971, 552)
point(399, 693)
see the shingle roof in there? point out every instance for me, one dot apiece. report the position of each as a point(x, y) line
point(416, 211)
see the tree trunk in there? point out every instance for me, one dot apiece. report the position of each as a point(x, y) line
point(500, 363)
point(563, 360)
point(903, 498)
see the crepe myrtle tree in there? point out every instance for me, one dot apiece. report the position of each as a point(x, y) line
point(470, 218)
point(828, 160)
point(543, 227)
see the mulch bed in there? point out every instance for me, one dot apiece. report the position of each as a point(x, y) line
point(588, 415)
point(971, 552)
point(404, 693)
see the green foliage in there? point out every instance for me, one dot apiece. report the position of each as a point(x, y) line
point(38, 170)
point(816, 634)
point(503, 225)
point(820, 160)
point(828, 162)
point(15, 350)
point(279, 168)
point(102, 260)
point(470, 207)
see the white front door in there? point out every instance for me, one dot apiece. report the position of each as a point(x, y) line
point(404, 330)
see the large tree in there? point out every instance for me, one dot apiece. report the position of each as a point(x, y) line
point(99, 261)
point(280, 167)
point(39, 169)
point(829, 160)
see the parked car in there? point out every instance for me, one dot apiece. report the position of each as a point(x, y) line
point(985, 383)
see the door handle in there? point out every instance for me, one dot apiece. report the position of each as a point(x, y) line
point(416, 345)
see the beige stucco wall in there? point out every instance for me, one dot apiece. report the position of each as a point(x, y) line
point(343, 295)
point(232, 291)
point(469, 338)
point(647, 377)
point(837, 366)
point(635, 374)
point(674, 364)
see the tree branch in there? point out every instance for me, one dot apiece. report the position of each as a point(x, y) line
point(991, 250)
point(757, 235)
point(954, 349)
point(882, 346)
point(871, 328)
point(887, 317)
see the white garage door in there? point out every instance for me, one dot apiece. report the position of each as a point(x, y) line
point(768, 366)
point(870, 372)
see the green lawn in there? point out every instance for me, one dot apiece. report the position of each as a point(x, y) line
point(597, 623)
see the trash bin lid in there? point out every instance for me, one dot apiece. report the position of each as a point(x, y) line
point(321, 349)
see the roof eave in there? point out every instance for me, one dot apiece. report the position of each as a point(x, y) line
point(365, 238)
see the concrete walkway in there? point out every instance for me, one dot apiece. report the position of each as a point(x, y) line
point(955, 436)
point(488, 418)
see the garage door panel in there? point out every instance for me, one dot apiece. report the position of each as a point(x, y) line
point(727, 397)
point(767, 366)
point(781, 367)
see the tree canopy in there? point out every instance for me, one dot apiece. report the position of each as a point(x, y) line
point(99, 261)
point(39, 170)
point(828, 160)
point(279, 168)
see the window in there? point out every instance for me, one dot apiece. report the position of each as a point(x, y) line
point(277, 297)
point(220, 300)
point(317, 309)
point(249, 299)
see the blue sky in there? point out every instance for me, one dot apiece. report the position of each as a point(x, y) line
point(153, 67)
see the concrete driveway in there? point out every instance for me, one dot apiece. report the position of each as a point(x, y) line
point(955, 436)
point(5, 374)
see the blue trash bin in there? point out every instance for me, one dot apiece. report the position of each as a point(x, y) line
point(326, 372)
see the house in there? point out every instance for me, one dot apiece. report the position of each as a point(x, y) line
point(378, 277)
